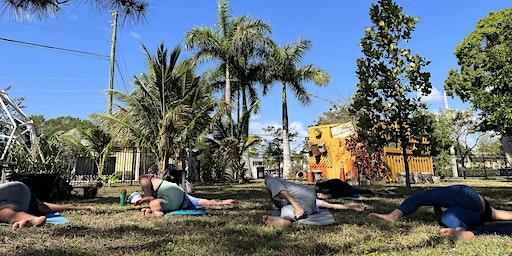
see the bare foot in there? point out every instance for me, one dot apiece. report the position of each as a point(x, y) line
point(146, 212)
point(358, 207)
point(276, 221)
point(457, 232)
point(89, 208)
point(384, 217)
point(35, 221)
point(230, 202)
point(265, 219)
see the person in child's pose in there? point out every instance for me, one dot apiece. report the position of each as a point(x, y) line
point(163, 196)
point(21, 209)
point(295, 202)
point(460, 208)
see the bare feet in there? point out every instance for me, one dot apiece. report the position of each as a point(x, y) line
point(384, 217)
point(35, 221)
point(457, 232)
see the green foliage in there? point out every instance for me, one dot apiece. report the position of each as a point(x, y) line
point(390, 77)
point(169, 108)
point(95, 142)
point(234, 43)
point(232, 143)
point(272, 146)
point(58, 151)
point(284, 67)
point(443, 135)
point(490, 145)
point(109, 179)
point(336, 114)
point(484, 77)
point(442, 164)
point(46, 8)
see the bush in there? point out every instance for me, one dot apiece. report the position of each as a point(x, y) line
point(442, 165)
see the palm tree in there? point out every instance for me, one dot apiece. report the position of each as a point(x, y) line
point(44, 8)
point(169, 106)
point(96, 142)
point(229, 138)
point(283, 67)
point(232, 38)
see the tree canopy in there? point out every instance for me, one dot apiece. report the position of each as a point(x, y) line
point(484, 77)
point(391, 82)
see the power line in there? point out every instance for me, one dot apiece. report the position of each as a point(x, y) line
point(52, 78)
point(83, 53)
point(324, 99)
point(14, 90)
point(122, 77)
point(66, 32)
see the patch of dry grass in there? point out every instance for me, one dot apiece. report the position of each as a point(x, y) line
point(116, 230)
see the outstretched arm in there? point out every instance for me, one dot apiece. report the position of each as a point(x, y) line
point(355, 207)
point(501, 215)
point(50, 208)
point(297, 209)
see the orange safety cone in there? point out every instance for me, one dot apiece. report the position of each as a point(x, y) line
point(342, 173)
point(310, 177)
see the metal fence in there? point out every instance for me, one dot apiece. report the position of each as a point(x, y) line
point(484, 166)
point(123, 166)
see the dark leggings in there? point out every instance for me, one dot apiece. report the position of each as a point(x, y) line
point(462, 203)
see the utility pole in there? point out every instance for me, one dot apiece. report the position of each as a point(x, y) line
point(112, 62)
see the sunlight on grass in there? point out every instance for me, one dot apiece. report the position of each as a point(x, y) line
point(116, 230)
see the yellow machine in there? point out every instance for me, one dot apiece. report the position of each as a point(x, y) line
point(330, 156)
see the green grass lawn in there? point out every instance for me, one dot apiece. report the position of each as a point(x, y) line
point(116, 230)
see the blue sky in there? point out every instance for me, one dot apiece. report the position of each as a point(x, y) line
point(56, 84)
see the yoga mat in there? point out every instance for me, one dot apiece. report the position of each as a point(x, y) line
point(52, 218)
point(321, 218)
point(56, 219)
point(196, 212)
point(495, 227)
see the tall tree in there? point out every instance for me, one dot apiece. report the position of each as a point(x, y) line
point(484, 77)
point(229, 138)
point(284, 66)
point(336, 114)
point(44, 8)
point(169, 106)
point(227, 42)
point(386, 103)
point(273, 146)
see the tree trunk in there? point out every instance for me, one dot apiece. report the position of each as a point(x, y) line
point(186, 177)
point(238, 106)
point(162, 165)
point(227, 98)
point(507, 147)
point(244, 110)
point(287, 158)
point(406, 165)
point(453, 162)
point(463, 163)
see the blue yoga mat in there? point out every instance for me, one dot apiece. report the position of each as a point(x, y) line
point(52, 218)
point(56, 219)
point(196, 212)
